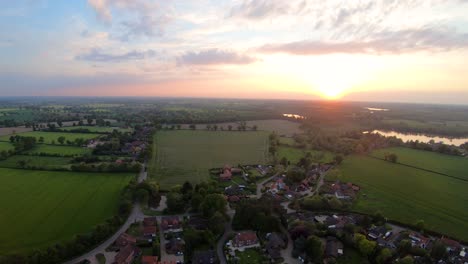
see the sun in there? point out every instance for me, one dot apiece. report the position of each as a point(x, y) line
point(331, 93)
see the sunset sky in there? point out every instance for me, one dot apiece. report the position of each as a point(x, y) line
point(371, 50)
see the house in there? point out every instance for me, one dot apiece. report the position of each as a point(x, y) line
point(204, 257)
point(175, 246)
point(245, 239)
point(233, 199)
point(377, 232)
point(125, 239)
point(228, 172)
point(344, 191)
point(452, 245)
point(149, 231)
point(277, 186)
point(418, 240)
point(149, 221)
point(170, 223)
point(149, 260)
point(333, 248)
point(274, 245)
point(127, 254)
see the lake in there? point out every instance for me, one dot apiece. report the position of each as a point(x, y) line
point(422, 137)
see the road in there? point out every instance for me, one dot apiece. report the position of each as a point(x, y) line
point(224, 237)
point(135, 215)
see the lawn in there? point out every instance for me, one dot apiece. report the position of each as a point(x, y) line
point(97, 129)
point(184, 155)
point(57, 149)
point(53, 136)
point(407, 195)
point(5, 146)
point(250, 256)
point(41, 208)
point(446, 164)
point(295, 154)
point(35, 161)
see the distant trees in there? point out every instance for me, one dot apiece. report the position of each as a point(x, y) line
point(338, 159)
point(391, 157)
point(61, 140)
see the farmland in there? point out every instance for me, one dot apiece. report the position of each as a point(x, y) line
point(97, 129)
point(6, 146)
point(58, 150)
point(35, 161)
point(188, 155)
point(49, 137)
point(450, 165)
point(295, 154)
point(53, 206)
point(407, 194)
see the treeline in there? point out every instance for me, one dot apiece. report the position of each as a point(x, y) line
point(107, 167)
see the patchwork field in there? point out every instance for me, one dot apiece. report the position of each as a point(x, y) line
point(57, 149)
point(450, 165)
point(97, 129)
point(407, 195)
point(53, 136)
point(13, 130)
point(6, 146)
point(184, 155)
point(35, 161)
point(279, 126)
point(41, 208)
point(295, 154)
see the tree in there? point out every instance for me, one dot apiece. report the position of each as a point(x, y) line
point(420, 225)
point(208, 127)
point(175, 202)
point(213, 203)
point(59, 123)
point(284, 161)
point(61, 140)
point(393, 158)
point(41, 139)
point(406, 260)
point(365, 246)
point(438, 251)
point(338, 159)
point(22, 163)
point(314, 249)
point(89, 120)
point(384, 255)
point(142, 196)
point(230, 127)
point(254, 127)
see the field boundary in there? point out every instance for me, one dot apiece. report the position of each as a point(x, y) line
point(419, 168)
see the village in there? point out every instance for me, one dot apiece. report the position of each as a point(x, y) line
point(160, 239)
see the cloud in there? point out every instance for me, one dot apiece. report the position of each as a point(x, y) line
point(259, 9)
point(146, 26)
point(6, 42)
point(141, 17)
point(96, 55)
point(215, 56)
point(424, 39)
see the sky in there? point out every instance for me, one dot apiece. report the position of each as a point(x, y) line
point(366, 50)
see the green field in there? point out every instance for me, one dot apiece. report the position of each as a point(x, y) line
point(53, 136)
point(6, 146)
point(184, 155)
point(295, 154)
point(41, 208)
point(57, 149)
point(407, 195)
point(450, 165)
point(97, 129)
point(35, 161)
